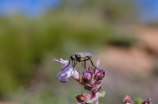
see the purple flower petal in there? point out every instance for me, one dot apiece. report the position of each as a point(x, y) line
point(67, 72)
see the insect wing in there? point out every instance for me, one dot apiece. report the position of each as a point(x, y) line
point(88, 53)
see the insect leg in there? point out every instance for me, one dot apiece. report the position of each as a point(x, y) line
point(83, 64)
point(88, 58)
point(85, 61)
point(75, 62)
point(93, 64)
point(67, 64)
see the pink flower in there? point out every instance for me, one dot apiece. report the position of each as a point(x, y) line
point(147, 101)
point(67, 72)
point(87, 76)
point(127, 100)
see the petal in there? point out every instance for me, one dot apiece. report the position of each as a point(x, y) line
point(63, 62)
point(56, 60)
point(67, 72)
point(98, 61)
point(64, 75)
point(62, 79)
point(76, 74)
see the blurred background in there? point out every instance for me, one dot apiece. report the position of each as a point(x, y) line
point(124, 33)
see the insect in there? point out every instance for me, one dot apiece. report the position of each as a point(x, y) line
point(81, 57)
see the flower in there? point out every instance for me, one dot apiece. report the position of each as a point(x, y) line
point(83, 97)
point(127, 100)
point(67, 72)
point(147, 101)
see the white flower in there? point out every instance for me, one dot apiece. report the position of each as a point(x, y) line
point(67, 72)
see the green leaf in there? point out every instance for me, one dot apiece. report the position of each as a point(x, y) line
point(90, 101)
point(102, 94)
point(138, 100)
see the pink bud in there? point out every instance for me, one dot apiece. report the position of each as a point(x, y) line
point(94, 88)
point(87, 76)
point(98, 75)
point(127, 100)
point(83, 97)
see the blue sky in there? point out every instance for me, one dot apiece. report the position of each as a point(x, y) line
point(28, 7)
point(148, 9)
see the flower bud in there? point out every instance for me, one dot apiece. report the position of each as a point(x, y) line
point(100, 75)
point(127, 100)
point(83, 97)
point(95, 88)
point(87, 76)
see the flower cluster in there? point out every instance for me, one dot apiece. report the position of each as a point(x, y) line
point(127, 100)
point(147, 101)
point(91, 80)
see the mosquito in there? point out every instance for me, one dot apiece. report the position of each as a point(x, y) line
point(81, 57)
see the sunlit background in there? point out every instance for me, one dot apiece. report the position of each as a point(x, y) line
point(124, 33)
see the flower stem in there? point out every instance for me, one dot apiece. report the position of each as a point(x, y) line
point(95, 98)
